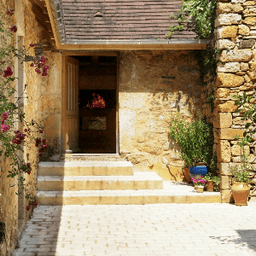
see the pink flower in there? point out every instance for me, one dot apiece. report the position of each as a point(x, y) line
point(25, 130)
point(13, 28)
point(45, 68)
point(45, 74)
point(44, 141)
point(31, 45)
point(38, 71)
point(33, 65)
point(2, 61)
point(42, 58)
point(36, 203)
point(8, 72)
point(5, 128)
point(27, 208)
point(45, 146)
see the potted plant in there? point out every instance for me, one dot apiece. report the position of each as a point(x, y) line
point(212, 182)
point(240, 188)
point(199, 183)
point(195, 139)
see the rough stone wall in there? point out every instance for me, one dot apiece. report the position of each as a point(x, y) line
point(235, 39)
point(153, 86)
point(44, 93)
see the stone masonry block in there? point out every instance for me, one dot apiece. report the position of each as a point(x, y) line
point(222, 93)
point(227, 107)
point(223, 152)
point(225, 182)
point(230, 67)
point(228, 19)
point(229, 133)
point(227, 32)
point(226, 195)
point(224, 169)
point(228, 80)
point(229, 8)
point(223, 120)
point(236, 150)
point(250, 21)
point(243, 30)
point(224, 44)
point(236, 55)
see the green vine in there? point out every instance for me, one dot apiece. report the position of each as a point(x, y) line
point(199, 17)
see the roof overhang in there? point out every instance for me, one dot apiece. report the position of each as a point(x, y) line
point(56, 20)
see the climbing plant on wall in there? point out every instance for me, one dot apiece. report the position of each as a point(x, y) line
point(12, 139)
point(199, 16)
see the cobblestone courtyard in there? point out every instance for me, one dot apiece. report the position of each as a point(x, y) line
point(156, 229)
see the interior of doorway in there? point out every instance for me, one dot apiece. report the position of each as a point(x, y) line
point(97, 101)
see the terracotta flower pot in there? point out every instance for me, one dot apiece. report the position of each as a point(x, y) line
point(187, 174)
point(209, 186)
point(240, 192)
point(199, 189)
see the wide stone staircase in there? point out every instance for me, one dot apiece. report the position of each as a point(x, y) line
point(110, 182)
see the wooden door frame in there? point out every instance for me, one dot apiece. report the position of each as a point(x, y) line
point(65, 55)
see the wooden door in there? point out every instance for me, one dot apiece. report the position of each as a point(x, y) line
point(71, 116)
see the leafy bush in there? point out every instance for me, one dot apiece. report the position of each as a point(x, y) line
point(195, 139)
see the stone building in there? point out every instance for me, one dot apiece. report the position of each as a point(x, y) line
point(118, 50)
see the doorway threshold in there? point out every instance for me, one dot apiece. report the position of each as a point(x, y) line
point(92, 157)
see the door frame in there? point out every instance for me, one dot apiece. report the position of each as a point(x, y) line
point(65, 55)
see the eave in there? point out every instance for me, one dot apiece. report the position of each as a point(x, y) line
point(54, 13)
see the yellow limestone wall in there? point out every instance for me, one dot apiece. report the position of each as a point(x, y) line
point(235, 39)
point(153, 86)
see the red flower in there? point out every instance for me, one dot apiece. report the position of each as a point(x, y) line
point(27, 208)
point(10, 12)
point(2, 61)
point(8, 72)
point(38, 141)
point(13, 28)
point(31, 45)
point(36, 203)
point(38, 71)
point(4, 116)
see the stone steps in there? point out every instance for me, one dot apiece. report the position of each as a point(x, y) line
point(110, 182)
point(140, 180)
point(85, 168)
point(169, 194)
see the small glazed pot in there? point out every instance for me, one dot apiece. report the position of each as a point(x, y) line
point(199, 189)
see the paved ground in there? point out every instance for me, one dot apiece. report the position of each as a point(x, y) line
point(158, 229)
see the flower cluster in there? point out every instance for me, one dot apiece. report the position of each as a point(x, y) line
point(198, 180)
point(4, 127)
point(26, 168)
point(19, 137)
point(13, 28)
point(39, 65)
point(7, 72)
point(44, 146)
point(97, 102)
point(10, 12)
point(32, 202)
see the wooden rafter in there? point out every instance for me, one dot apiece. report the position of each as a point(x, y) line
point(53, 24)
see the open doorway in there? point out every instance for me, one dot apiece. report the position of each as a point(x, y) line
point(96, 112)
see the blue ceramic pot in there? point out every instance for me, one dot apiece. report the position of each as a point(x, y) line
point(200, 169)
